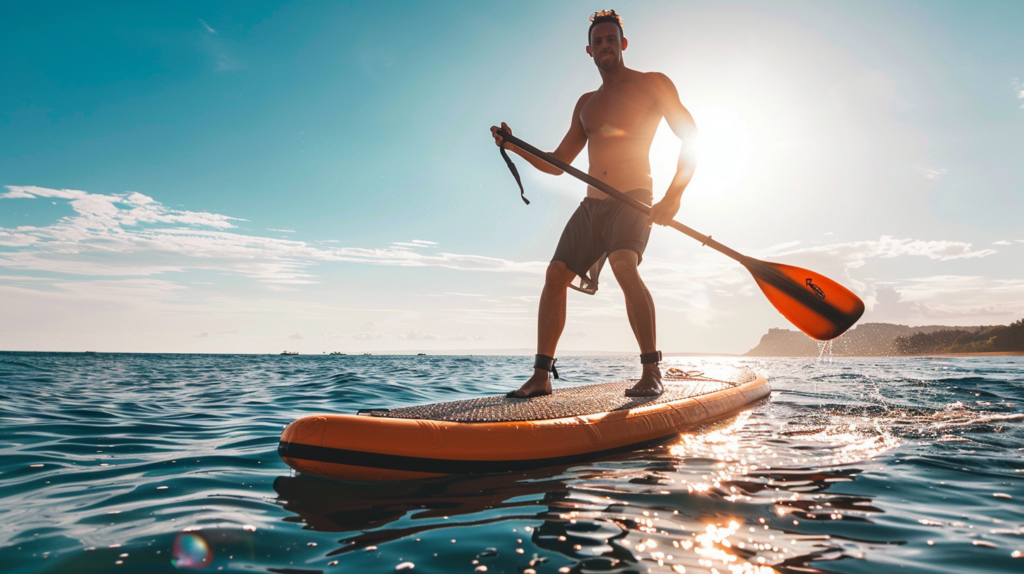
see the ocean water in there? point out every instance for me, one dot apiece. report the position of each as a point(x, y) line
point(160, 463)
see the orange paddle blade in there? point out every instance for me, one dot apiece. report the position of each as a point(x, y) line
point(815, 304)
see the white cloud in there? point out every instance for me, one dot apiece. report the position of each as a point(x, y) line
point(419, 335)
point(931, 173)
point(363, 336)
point(855, 253)
point(218, 49)
point(134, 289)
point(98, 211)
point(1002, 242)
point(960, 299)
point(135, 235)
point(296, 335)
point(15, 239)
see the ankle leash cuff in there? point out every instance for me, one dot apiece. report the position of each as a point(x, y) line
point(545, 362)
point(648, 358)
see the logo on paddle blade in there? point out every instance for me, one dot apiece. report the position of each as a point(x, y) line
point(817, 290)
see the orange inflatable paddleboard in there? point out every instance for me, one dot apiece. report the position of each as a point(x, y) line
point(499, 434)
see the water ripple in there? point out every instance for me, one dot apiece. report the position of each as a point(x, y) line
point(874, 464)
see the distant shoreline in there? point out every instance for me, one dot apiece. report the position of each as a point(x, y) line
point(890, 340)
point(986, 354)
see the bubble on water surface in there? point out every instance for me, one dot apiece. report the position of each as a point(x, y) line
point(191, 550)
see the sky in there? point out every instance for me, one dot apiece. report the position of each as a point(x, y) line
point(250, 177)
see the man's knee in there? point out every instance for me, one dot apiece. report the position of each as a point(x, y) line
point(624, 263)
point(559, 275)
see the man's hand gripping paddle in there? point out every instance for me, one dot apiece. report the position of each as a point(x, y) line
point(817, 305)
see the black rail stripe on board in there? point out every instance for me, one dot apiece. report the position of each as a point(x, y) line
point(443, 466)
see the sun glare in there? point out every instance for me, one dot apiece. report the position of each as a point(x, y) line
point(724, 150)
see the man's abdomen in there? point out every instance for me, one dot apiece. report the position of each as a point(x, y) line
point(621, 167)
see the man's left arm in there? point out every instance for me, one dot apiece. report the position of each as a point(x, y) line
point(681, 122)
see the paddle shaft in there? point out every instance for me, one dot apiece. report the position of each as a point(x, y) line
point(634, 203)
point(758, 268)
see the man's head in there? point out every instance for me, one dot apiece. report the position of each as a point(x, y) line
point(605, 39)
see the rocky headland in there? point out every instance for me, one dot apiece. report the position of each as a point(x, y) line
point(886, 339)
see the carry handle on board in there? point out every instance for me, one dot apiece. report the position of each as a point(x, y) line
point(815, 304)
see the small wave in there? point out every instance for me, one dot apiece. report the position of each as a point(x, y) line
point(846, 461)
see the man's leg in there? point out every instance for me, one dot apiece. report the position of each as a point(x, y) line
point(640, 310)
point(550, 322)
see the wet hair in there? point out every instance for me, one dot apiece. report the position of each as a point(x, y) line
point(602, 17)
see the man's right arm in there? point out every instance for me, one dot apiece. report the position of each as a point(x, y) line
point(571, 146)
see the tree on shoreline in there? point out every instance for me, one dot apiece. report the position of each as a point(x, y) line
point(1001, 338)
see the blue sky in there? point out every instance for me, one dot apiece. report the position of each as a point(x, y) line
point(255, 176)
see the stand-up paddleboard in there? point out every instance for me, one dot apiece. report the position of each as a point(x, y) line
point(499, 434)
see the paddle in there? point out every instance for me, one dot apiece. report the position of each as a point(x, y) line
point(815, 304)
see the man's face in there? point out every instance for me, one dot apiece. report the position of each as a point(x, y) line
point(606, 45)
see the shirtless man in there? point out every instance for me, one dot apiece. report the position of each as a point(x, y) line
point(618, 121)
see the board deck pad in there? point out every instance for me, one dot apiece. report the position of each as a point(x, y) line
point(570, 401)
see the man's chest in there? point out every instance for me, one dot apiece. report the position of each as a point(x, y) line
point(619, 112)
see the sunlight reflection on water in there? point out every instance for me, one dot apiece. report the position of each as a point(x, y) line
point(852, 465)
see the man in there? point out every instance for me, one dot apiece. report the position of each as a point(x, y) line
point(617, 121)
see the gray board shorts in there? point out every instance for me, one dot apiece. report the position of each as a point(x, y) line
point(597, 228)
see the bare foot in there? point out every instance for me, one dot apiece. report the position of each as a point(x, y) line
point(649, 384)
point(538, 386)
